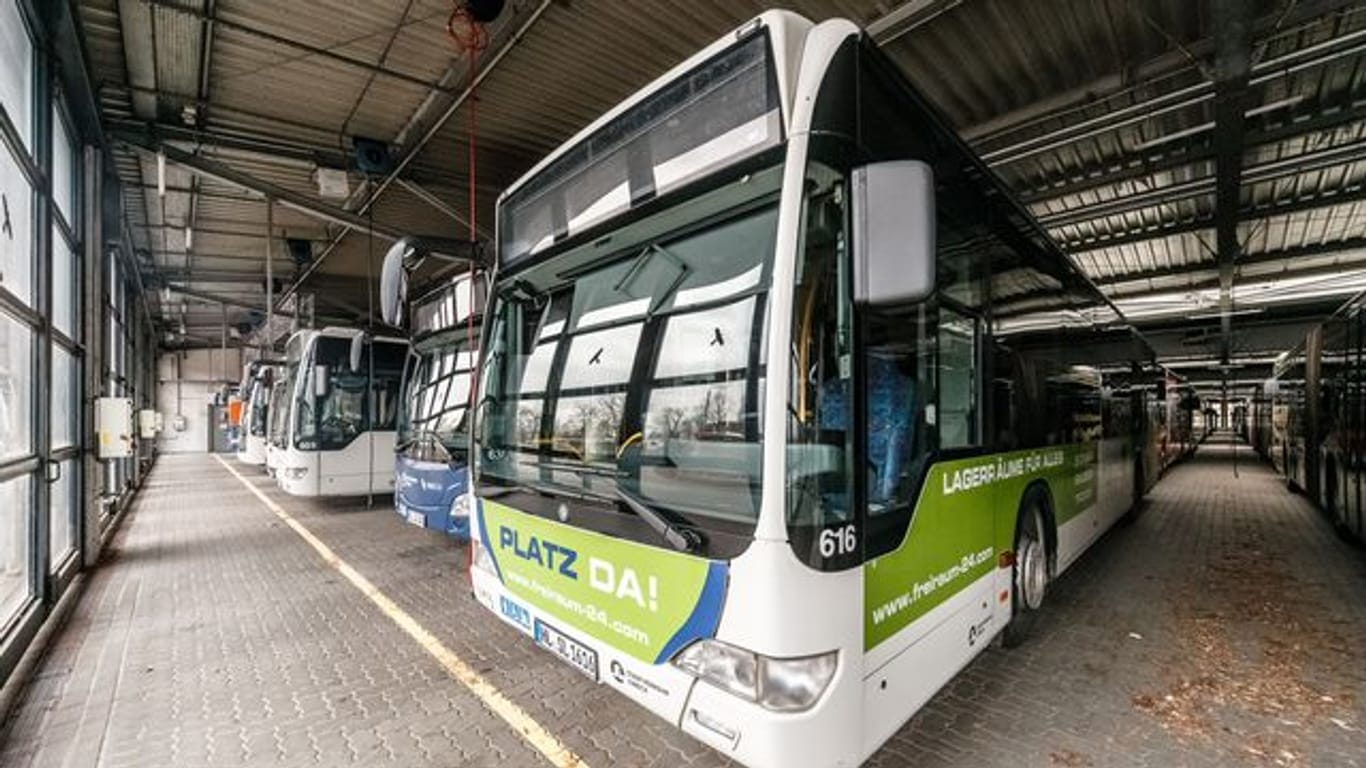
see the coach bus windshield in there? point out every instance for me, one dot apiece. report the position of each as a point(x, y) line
point(639, 375)
point(331, 418)
point(433, 423)
point(281, 395)
point(260, 396)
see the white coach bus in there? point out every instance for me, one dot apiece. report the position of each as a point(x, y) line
point(787, 408)
point(259, 379)
point(343, 397)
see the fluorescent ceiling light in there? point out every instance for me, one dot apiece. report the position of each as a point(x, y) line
point(161, 174)
point(907, 17)
point(1231, 313)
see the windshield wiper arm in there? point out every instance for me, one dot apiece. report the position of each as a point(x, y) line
point(418, 434)
point(678, 537)
point(542, 489)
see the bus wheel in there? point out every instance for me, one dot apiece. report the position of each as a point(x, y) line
point(1030, 574)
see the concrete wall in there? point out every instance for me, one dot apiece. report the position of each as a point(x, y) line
point(186, 384)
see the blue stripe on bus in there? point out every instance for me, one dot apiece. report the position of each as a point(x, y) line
point(706, 615)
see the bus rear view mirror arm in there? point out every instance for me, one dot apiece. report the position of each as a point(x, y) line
point(893, 233)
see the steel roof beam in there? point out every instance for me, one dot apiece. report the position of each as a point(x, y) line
point(1195, 224)
point(1060, 105)
point(1109, 172)
point(1210, 279)
point(286, 197)
point(219, 299)
point(1271, 170)
point(1232, 69)
point(286, 42)
point(1203, 277)
point(1270, 257)
point(276, 147)
point(140, 131)
point(1349, 44)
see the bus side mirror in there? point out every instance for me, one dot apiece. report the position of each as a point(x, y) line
point(893, 233)
point(393, 280)
point(322, 381)
point(357, 351)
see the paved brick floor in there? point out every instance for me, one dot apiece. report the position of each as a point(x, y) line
point(1224, 627)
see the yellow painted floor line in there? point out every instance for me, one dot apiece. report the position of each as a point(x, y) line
point(533, 732)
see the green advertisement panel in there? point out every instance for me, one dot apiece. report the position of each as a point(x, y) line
point(646, 601)
point(965, 516)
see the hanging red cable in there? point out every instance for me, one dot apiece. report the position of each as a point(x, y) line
point(470, 36)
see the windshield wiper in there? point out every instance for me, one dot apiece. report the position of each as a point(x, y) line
point(421, 435)
point(541, 489)
point(645, 256)
point(681, 539)
point(418, 434)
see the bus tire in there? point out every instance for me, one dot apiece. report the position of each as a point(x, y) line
point(1032, 570)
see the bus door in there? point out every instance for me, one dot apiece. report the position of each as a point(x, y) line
point(928, 490)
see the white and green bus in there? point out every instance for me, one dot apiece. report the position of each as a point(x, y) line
point(787, 408)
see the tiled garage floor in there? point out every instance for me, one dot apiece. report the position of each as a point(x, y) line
point(1226, 626)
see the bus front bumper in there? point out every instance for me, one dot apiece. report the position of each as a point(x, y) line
point(825, 735)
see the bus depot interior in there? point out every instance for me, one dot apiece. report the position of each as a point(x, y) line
point(895, 383)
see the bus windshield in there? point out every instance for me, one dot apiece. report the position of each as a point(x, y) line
point(259, 403)
point(277, 418)
point(344, 412)
point(433, 423)
point(639, 375)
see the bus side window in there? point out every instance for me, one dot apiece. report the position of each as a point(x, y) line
point(957, 413)
point(901, 427)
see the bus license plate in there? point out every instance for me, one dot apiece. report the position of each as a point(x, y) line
point(415, 517)
point(580, 657)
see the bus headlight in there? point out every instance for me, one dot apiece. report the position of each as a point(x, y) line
point(296, 473)
point(781, 685)
point(480, 557)
point(460, 507)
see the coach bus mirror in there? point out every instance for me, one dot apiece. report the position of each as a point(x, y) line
point(322, 381)
point(893, 238)
point(393, 281)
point(357, 352)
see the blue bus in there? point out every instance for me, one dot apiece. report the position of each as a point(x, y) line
point(433, 426)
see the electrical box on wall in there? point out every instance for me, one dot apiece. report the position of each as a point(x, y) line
point(149, 423)
point(114, 426)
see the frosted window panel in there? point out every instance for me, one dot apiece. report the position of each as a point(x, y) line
point(16, 69)
point(16, 499)
point(16, 389)
point(63, 398)
point(16, 228)
point(63, 168)
point(61, 528)
point(63, 285)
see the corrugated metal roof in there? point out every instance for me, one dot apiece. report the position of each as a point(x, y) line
point(1099, 113)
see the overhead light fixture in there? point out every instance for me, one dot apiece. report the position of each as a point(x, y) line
point(1231, 313)
point(333, 183)
point(161, 174)
point(907, 17)
point(165, 294)
point(189, 238)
